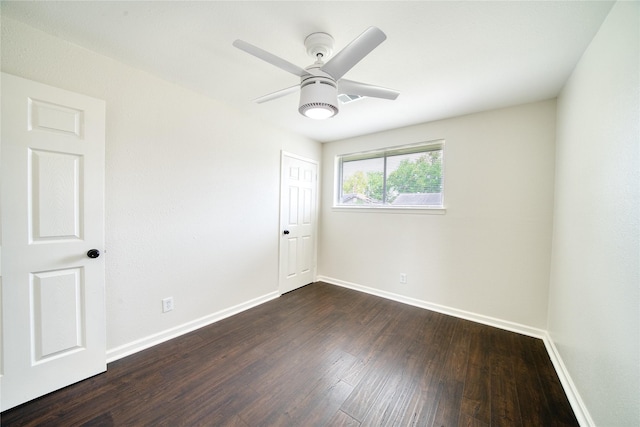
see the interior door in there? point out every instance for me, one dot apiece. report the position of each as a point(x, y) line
point(298, 204)
point(52, 211)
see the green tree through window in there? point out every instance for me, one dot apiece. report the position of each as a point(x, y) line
point(422, 175)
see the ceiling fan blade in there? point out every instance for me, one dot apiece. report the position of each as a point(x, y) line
point(270, 58)
point(353, 53)
point(278, 94)
point(349, 87)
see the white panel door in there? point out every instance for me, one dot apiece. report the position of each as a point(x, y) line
point(298, 193)
point(52, 193)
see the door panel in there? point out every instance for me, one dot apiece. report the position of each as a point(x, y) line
point(57, 309)
point(298, 222)
point(305, 256)
point(292, 249)
point(52, 193)
point(54, 196)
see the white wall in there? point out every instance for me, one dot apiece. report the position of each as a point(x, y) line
point(490, 253)
point(594, 300)
point(192, 188)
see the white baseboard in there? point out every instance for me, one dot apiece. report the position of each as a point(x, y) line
point(144, 343)
point(577, 404)
point(462, 314)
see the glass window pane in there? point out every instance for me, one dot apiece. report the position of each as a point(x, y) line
point(415, 179)
point(362, 181)
point(409, 176)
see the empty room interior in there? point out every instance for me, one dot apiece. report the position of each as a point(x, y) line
point(167, 191)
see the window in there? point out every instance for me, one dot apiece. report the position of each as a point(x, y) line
point(398, 177)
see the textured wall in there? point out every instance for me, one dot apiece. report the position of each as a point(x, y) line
point(594, 303)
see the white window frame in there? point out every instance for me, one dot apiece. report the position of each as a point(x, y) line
point(436, 145)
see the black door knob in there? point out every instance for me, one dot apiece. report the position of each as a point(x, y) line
point(285, 232)
point(93, 253)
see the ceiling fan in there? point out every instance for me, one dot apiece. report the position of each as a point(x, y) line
point(320, 83)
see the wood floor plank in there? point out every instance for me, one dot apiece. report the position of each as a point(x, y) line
point(279, 394)
point(424, 402)
point(505, 407)
point(476, 401)
point(318, 407)
point(392, 403)
point(320, 356)
point(340, 419)
point(533, 404)
point(453, 377)
point(375, 376)
point(468, 421)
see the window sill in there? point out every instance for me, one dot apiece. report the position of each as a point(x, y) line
point(394, 210)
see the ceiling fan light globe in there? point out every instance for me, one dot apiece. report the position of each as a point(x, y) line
point(319, 112)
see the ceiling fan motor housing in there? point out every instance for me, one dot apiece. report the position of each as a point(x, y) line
point(319, 44)
point(318, 92)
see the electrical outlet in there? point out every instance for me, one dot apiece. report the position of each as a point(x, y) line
point(403, 278)
point(167, 304)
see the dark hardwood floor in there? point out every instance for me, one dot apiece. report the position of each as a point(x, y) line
point(320, 356)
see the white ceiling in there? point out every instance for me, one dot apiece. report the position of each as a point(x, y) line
point(447, 58)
